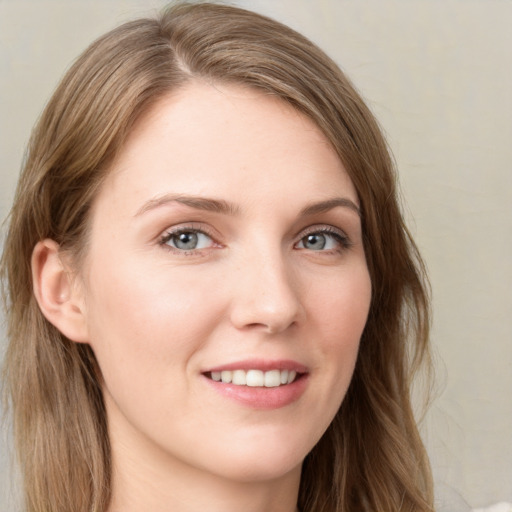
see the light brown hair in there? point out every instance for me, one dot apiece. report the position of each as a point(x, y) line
point(371, 457)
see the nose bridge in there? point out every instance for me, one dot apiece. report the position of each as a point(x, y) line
point(267, 294)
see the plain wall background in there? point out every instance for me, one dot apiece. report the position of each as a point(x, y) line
point(438, 75)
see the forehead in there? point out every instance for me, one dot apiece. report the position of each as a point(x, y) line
point(218, 139)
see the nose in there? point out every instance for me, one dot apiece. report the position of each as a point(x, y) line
point(266, 295)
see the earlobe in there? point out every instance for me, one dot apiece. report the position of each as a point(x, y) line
point(59, 299)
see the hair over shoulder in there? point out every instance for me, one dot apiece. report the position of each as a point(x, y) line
point(371, 458)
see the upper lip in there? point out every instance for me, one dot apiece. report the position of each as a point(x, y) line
point(260, 364)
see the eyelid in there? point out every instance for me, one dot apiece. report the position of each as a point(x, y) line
point(192, 227)
point(198, 227)
point(327, 229)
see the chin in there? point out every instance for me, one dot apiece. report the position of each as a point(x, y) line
point(263, 469)
point(264, 459)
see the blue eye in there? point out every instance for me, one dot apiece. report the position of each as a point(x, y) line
point(323, 241)
point(187, 240)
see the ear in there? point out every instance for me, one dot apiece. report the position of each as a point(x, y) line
point(57, 292)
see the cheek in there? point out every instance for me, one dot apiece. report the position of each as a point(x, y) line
point(337, 314)
point(146, 332)
point(341, 306)
point(148, 320)
point(339, 311)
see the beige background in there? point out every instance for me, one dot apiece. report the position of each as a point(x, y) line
point(438, 74)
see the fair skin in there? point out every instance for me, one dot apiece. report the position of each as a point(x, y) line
point(226, 237)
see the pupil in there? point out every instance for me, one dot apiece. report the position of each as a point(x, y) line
point(186, 241)
point(315, 241)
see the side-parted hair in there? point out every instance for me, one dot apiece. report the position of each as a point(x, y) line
point(371, 458)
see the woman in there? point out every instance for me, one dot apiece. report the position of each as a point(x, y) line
point(214, 301)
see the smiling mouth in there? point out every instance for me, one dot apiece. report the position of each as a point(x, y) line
point(255, 378)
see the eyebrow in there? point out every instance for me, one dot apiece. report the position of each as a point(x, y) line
point(226, 208)
point(329, 204)
point(199, 203)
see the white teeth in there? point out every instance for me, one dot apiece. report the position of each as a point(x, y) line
point(272, 378)
point(226, 376)
point(239, 378)
point(255, 378)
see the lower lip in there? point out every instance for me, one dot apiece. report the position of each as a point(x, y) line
point(261, 397)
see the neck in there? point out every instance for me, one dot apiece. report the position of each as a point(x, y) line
point(137, 489)
point(144, 482)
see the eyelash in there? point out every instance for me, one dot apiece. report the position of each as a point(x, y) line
point(168, 235)
point(341, 238)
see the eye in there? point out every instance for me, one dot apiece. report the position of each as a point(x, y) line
point(187, 240)
point(323, 240)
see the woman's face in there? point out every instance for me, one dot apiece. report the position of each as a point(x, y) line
point(226, 286)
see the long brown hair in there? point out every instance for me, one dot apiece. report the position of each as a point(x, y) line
point(371, 457)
